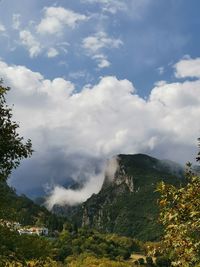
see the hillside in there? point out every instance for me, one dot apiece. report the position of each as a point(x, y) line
point(25, 211)
point(128, 204)
point(64, 247)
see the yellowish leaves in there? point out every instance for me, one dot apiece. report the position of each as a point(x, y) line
point(180, 215)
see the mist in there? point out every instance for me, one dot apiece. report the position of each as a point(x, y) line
point(59, 195)
point(112, 166)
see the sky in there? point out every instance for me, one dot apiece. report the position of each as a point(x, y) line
point(91, 79)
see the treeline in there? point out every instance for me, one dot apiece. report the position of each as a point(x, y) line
point(66, 248)
point(72, 247)
point(23, 210)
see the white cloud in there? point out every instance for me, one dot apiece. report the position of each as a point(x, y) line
point(100, 40)
point(54, 21)
point(57, 18)
point(30, 42)
point(104, 63)
point(62, 196)
point(32, 93)
point(2, 28)
point(96, 43)
point(52, 52)
point(105, 119)
point(101, 60)
point(188, 67)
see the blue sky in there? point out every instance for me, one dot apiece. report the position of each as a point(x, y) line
point(94, 78)
point(154, 35)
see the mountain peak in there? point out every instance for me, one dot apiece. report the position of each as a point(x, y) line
point(127, 203)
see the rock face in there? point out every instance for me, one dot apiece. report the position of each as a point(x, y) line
point(122, 178)
point(127, 205)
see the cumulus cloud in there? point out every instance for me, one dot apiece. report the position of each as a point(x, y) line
point(95, 44)
point(37, 38)
point(100, 121)
point(57, 18)
point(188, 67)
point(30, 42)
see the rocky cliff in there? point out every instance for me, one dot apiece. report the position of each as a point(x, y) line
point(127, 204)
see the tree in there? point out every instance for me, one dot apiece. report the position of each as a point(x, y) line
point(12, 147)
point(180, 215)
point(141, 261)
point(163, 262)
point(149, 261)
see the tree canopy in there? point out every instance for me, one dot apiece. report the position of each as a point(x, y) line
point(12, 145)
point(180, 215)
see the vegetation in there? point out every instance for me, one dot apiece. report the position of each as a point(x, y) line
point(21, 209)
point(66, 247)
point(14, 247)
point(12, 148)
point(180, 215)
point(85, 260)
point(90, 241)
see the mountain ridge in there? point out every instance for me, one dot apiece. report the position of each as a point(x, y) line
point(127, 205)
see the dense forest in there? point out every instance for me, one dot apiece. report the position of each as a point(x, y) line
point(68, 244)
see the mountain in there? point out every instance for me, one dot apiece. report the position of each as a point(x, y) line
point(23, 210)
point(127, 205)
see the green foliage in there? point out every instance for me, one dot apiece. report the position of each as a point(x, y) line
point(141, 261)
point(149, 261)
point(21, 248)
point(163, 261)
point(23, 210)
point(95, 248)
point(12, 148)
point(180, 215)
point(127, 243)
point(30, 263)
point(90, 241)
point(86, 260)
